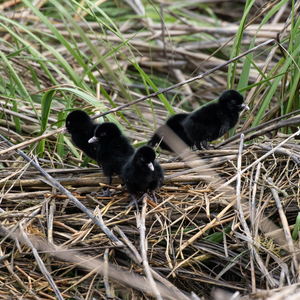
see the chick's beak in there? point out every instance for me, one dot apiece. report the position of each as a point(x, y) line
point(93, 140)
point(244, 106)
point(64, 131)
point(150, 166)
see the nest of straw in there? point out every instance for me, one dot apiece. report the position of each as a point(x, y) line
point(225, 217)
point(223, 222)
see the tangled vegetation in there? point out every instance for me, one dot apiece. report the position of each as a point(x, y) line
point(227, 221)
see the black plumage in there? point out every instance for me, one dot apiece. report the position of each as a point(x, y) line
point(114, 149)
point(142, 173)
point(215, 119)
point(81, 127)
point(175, 124)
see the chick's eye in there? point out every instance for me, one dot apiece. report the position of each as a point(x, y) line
point(103, 134)
point(142, 159)
point(68, 123)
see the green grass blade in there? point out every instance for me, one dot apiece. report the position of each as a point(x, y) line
point(19, 84)
point(46, 106)
point(71, 73)
point(237, 43)
point(60, 141)
point(273, 88)
point(92, 48)
point(297, 228)
point(15, 107)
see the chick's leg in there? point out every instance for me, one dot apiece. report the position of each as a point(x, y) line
point(154, 197)
point(204, 143)
point(135, 201)
point(198, 145)
point(107, 192)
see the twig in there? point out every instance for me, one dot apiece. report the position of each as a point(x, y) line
point(21, 145)
point(184, 82)
point(138, 260)
point(140, 219)
point(50, 221)
point(183, 262)
point(170, 245)
point(91, 287)
point(138, 282)
point(154, 274)
point(241, 214)
point(18, 146)
point(286, 228)
point(259, 159)
point(41, 264)
point(252, 210)
point(63, 181)
point(199, 168)
point(128, 243)
point(14, 275)
point(105, 277)
point(209, 225)
point(109, 234)
point(88, 181)
point(276, 126)
point(77, 203)
point(281, 151)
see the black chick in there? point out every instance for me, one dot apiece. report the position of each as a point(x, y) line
point(81, 127)
point(215, 119)
point(174, 123)
point(142, 173)
point(114, 150)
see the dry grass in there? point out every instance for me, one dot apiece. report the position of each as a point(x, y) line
point(226, 215)
point(195, 237)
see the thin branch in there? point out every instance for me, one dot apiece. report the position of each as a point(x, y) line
point(260, 126)
point(74, 200)
point(259, 159)
point(242, 218)
point(286, 230)
point(140, 219)
point(185, 82)
point(41, 264)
